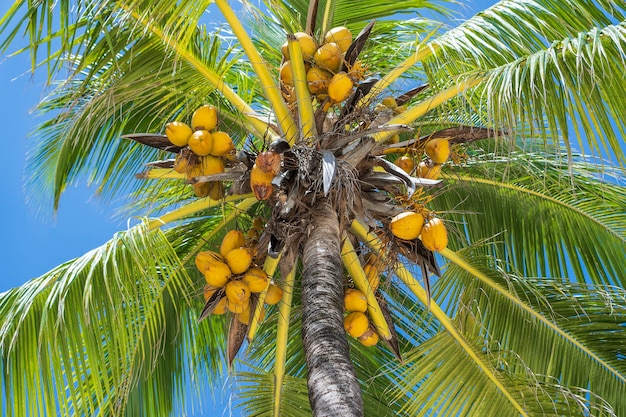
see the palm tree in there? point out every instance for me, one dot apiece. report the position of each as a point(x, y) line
point(525, 316)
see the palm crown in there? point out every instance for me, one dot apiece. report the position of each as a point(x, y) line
point(526, 316)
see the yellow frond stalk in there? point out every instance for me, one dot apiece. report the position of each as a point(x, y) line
point(407, 278)
point(269, 266)
point(354, 268)
point(259, 127)
point(419, 109)
point(303, 97)
point(270, 87)
point(201, 204)
point(422, 52)
point(282, 332)
point(162, 173)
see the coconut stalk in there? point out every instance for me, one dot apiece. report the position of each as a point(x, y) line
point(202, 204)
point(303, 97)
point(282, 333)
point(270, 88)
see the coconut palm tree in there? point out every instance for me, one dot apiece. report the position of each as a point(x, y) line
point(515, 307)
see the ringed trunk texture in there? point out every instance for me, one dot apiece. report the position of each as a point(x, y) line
point(333, 387)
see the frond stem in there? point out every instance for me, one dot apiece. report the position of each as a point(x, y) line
point(419, 109)
point(271, 89)
point(282, 333)
point(201, 204)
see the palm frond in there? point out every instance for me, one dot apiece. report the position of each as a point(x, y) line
point(292, 14)
point(545, 66)
point(573, 223)
point(121, 101)
point(68, 329)
point(440, 379)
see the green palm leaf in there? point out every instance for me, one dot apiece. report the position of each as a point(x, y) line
point(108, 357)
point(538, 205)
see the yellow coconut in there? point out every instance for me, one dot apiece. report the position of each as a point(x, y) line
point(239, 260)
point(269, 162)
point(341, 35)
point(185, 159)
point(216, 273)
point(261, 183)
point(308, 46)
point(284, 49)
point(356, 323)
point(204, 118)
point(407, 225)
point(217, 190)
point(285, 73)
point(221, 307)
point(435, 235)
point(389, 102)
point(203, 258)
point(328, 57)
point(202, 189)
point(356, 71)
point(369, 338)
point(406, 163)
point(428, 170)
point(237, 308)
point(201, 142)
point(178, 133)
point(244, 316)
point(354, 300)
point(372, 272)
point(274, 294)
point(317, 80)
point(233, 239)
point(237, 292)
point(256, 279)
point(340, 87)
point(438, 150)
point(222, 143)
point(211, 165)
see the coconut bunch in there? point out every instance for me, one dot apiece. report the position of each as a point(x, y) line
point(356, 322)
point(233, 280)
point(330, 77)
point(203, 150)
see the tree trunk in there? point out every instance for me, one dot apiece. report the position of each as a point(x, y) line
point(333, 387)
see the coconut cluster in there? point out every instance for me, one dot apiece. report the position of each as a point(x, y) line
point(410, 225)
point(435, 153)
point(356, 321)
point(232, 278)
point(204, 150)
point(328, 79)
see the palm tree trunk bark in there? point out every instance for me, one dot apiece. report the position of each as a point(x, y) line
point(333, 387)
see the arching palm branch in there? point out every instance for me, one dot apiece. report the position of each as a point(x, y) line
point(527, 314)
